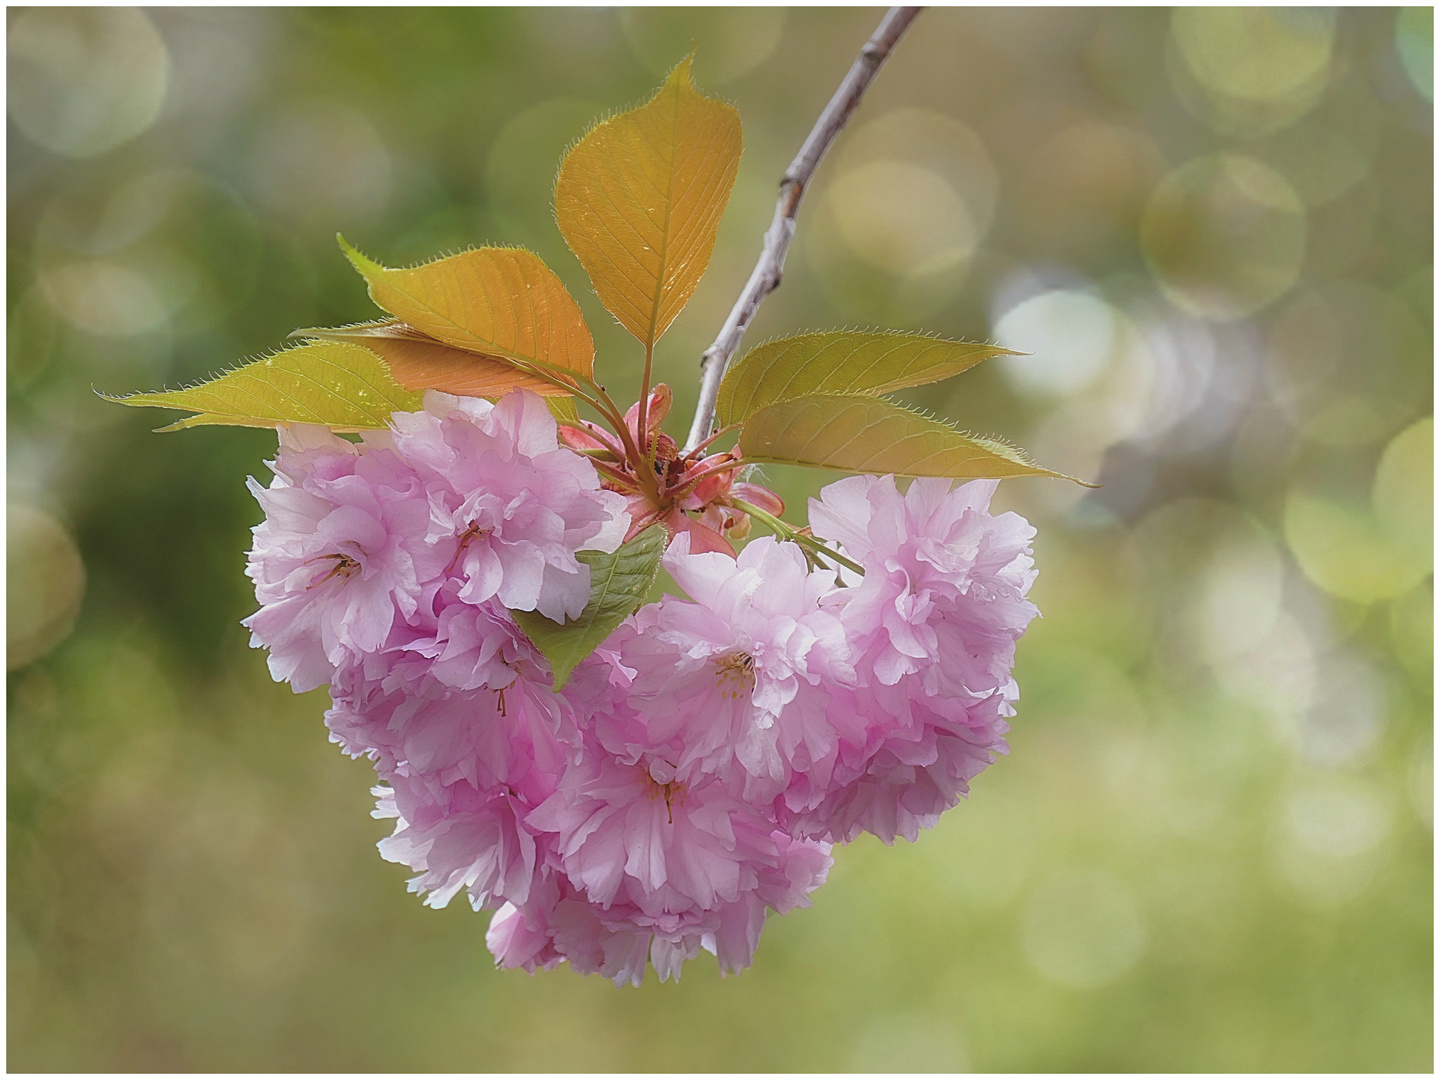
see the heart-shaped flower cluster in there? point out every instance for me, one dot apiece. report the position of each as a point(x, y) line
point(696, 768)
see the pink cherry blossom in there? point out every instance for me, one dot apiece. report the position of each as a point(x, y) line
point(933, 626)
point(917, 764)
point(651, 870)
point(341, 555)
point(736, 683)
point(695, 770)
point(459, 837)
point(509, 502)
point(355, 535)
point(944, 581)
point(411, 720)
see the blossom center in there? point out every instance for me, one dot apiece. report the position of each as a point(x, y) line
point(735, 674)
point(673, 792)
point(472, 532)
point(344, 567)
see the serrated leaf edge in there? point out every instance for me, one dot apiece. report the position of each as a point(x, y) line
point(194, 420)
point(1020, 456)
point(1000, 350)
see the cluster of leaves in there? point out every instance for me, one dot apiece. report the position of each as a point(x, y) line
point(639, 200)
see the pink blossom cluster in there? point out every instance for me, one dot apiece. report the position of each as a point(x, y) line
point(696, 769)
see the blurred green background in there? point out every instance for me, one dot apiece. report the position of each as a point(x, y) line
point(1210, 847)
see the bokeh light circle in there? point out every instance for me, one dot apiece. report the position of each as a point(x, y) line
point(1240, 602)
point(1259, 53)
point(1415, 41)
point(84, 80)
point(902, 217)
point(320, 162)
point(104, 297)
point(1249, 72)
point(1224, 235)
point(1403, 493)
point(1336, 818)
point(1330, 835)
point(1316, 374)
point(45, 580)
point(1071, 334)
point(912, 197)
point(737, 40)
point(1083, 929)
point(1350, 552)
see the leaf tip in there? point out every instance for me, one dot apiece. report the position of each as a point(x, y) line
point(682, 69)
point(359, 261)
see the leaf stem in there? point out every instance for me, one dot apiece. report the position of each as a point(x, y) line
point(615, 474)
point(607, 408)
point(787, 531)
point(643, 425)
point(765, 278)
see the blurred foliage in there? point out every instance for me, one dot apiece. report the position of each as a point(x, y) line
point(1211, 229)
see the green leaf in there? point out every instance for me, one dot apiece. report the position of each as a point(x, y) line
point(866, 434)
point(564, 410)
point(618, 585)
point(345, 387)
point(841, 362)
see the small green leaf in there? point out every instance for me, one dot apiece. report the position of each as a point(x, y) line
point(345, 387)
point(865, 434)
point(619, 583)
point(841, 362)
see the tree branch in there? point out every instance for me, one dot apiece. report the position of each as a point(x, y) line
point(765, 278)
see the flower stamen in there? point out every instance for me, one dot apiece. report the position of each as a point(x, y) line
point(672, 792)
point(344, 566)
point(735, 674)
point(472, 532)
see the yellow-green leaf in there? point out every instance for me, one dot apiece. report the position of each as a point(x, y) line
point(619, 583)
point(345, 387)
point(419, 362)
point(873, 435)
point(564, 410)
point(639, 200)
point(500, 302)
point(841, 362)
